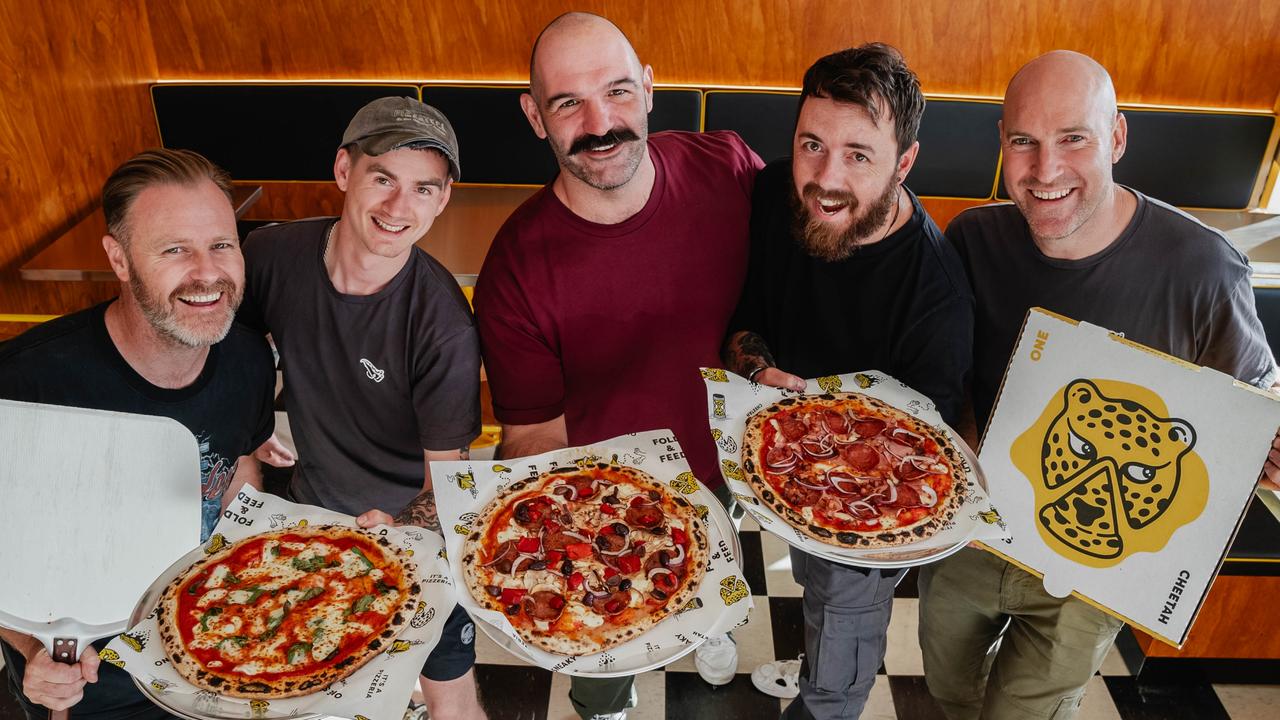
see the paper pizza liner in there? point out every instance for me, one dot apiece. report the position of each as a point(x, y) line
point(463, 488)
point(379, 690)
point(732, 400)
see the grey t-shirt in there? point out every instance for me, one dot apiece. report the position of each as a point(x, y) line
point(1168, 282)
point(370, 380)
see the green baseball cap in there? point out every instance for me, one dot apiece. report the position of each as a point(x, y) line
point(390, 123)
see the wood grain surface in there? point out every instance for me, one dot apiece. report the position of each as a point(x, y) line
point(1184, 52)
point(1233, 622)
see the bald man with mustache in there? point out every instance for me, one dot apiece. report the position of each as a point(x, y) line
point(1075, 242)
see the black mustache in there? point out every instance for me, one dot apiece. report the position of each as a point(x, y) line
point(594, 142)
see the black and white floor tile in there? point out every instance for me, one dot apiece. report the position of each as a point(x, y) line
point(514, 691)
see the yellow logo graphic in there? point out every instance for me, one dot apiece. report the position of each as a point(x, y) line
point(586, 461)
point(258, 708)
point(830, 383)
point(159, 685)
point(693, 604)
point(216, 543)
point(685, 483)
point(461, 529)
point(399, 646)
point(746, 498)
point(701, 510)
point(1112, 473)
point(715, 433)
point(443, 554)
point(302, 522)
point(111, 656)
point(865, 381)
point(715, 374)
point(422, 615)
point(731, 470)
point(464, 481)
point(135, 640)
point(717, 406)
point(733, 589)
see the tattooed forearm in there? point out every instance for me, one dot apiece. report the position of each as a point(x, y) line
point(421, 512)
point(745, 351)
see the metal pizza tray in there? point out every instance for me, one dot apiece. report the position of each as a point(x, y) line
point(723, 528)
point(903, 556)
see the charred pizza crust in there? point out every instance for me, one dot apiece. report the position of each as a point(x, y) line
point(603, 600)
point(285, 591)
point(950, 474)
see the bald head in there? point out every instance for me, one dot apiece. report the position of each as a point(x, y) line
point(574, 38)
point(1065, 77)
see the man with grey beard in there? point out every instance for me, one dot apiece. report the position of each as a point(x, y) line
point(847, 272)
point(167, 347)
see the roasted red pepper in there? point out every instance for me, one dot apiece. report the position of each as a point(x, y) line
point(629, 564)
point(577, 551)
point(511, 596)
point(607, 509)
point(576, 580)
point(679, 536)
point(528, 545)
point(554, 557)
point(609, 572)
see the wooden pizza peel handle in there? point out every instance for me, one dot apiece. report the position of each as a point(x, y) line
point(67, 651)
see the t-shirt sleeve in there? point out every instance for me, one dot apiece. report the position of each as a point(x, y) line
point(746, 163)
point(526, 377)
point(936, 354)
point(446, 397)
point(1235, 342)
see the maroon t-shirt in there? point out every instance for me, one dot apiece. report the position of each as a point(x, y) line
point(608, 324)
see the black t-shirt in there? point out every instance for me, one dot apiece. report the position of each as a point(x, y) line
point(72, 361)
point(370, 380)
point(1168, 282)
point(900, 305)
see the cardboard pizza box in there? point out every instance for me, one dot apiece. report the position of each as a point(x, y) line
point(1123, 472)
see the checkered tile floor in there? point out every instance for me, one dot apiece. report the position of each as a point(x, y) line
point(514, 691)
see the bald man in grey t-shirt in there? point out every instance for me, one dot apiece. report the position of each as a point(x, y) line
point(995, 644)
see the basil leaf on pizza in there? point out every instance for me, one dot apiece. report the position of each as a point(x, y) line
point(287, 612)
point(851, 470)
point(582, 560)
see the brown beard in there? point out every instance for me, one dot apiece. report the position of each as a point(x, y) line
point(829, 244)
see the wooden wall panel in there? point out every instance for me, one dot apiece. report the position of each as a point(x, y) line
point(73, 79)
point(1181, 52)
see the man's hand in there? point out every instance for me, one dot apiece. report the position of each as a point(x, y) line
point(274, 453)
point(774, 377)
point(55, 685)
point(370, 518)
point(1270, 478)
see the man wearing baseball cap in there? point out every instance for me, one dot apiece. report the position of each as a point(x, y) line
point(377, 345)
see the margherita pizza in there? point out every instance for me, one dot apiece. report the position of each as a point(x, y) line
point(287, 612)
point(851, 470)
point(581, 560)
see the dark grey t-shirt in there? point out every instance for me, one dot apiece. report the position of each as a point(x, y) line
point(1168, 282)
point(370, 380)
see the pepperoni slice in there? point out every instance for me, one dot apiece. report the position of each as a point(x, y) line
point(860, 455)
point(835, 422)
point(558, 541)
point(506, 551)
point(584, 486)
point(908, 496)
point(793, 428)
point(780, 457)
point(645, 516)
point(798, 495)
point(610, 543)
point(611, 604)
point(544, 605)
point(908, 471)
point(868, 428)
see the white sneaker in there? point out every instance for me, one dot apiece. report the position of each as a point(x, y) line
point(717, 659)
point(780, 678)
point(611, 716)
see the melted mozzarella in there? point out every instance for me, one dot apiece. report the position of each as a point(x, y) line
point(217, 576)
point(583, 615)
point(353, 566)
point(211, 596)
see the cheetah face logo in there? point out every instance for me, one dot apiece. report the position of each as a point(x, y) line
point(1112, 474)
point(684, 483)
point(715, 375)
point(830, 383)
point(733, 589)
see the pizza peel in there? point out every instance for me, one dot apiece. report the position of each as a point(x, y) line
point(96, 504)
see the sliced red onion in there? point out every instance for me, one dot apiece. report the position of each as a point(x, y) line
point(515, 565)
point(575, 535)
point(857, 507)
point(848, 439)
point(817, 449)
point(928, 496)
point(658, 569)
point(784, 466)
point(645, 501)
point(839, 484)
point(570, 491)
point(811, 486)
point(897, 449)
point(625, 548)
point(500, 556)
point(679, 558)
point(893, 494)
point(926, 464)
point(912, 438)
